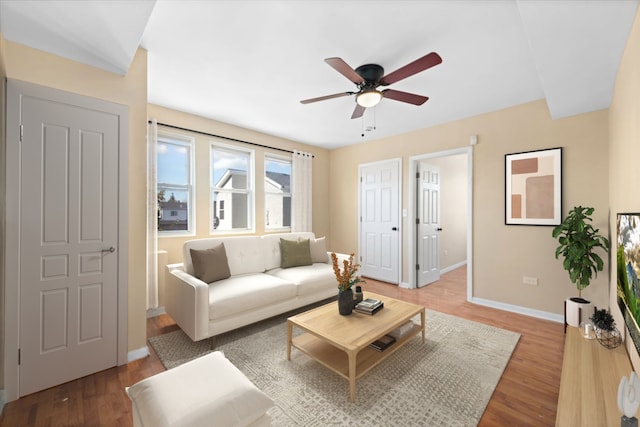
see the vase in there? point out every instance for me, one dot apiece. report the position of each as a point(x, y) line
point(345, 302)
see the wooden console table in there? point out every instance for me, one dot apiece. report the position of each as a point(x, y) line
point(591, 374)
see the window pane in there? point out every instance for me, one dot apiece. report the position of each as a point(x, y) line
point(230, 210)
point(173, 210)
point(173, 163)
point(229, 169)
point(277, 188)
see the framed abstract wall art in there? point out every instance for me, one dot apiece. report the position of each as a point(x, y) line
point(533, 187)
point(628, 271)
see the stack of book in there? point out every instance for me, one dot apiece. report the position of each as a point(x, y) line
point(382, 343)
point(369, 306)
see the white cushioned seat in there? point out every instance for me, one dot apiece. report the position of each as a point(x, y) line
point(309, 279)
point(247, 292)
point(208, 391)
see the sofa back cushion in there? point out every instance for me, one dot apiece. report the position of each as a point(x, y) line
point(272, 258)
point(245, 254)
point(210, 265)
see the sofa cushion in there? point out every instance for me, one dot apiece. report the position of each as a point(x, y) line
point(245, 254)
point(308, 279)
point(318, 248)
point(294, 253)
point(210, 265)
point(272, 246)
point(246, 292)
point(207, 391)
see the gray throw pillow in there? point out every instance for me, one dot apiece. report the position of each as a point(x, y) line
point(294, 253)
point(210, 265)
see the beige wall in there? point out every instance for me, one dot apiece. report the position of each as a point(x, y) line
point(173, 245)
point(501, 254)
point(453, 211)
point(624, 152)
point(34, 66)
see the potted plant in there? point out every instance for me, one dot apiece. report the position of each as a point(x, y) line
point(347, 278)
point(578, 241)
point(606, 331)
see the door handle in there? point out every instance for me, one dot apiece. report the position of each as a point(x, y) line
point(110, 250)
point(439, 229)
point(394, 228)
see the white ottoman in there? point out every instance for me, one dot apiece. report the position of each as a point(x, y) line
point(208, 391)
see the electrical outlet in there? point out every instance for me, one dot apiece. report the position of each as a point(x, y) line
point(530, 280)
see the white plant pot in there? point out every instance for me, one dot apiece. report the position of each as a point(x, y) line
point(577, 310)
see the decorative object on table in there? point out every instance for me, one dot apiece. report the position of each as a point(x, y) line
point(357, 295)
point(578, 240)
point(587, 329)
point(606, 331)
point(369, 306)
point(533, 187)
point(382, 343)
point(629, 400)
point(347, 278)
point(627, 262)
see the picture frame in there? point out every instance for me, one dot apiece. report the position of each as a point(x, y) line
point(533, 187)
point(628, 270)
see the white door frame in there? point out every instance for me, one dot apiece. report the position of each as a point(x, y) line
point(413, 162)
point(398, 161)
point(15, 90)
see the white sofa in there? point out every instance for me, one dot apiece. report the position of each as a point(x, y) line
point(257, 289)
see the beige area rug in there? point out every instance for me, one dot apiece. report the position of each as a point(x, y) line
point(447, 381)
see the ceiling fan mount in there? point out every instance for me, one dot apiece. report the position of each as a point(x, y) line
point(368, 77)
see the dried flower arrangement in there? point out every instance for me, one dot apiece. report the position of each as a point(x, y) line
point(347, 277)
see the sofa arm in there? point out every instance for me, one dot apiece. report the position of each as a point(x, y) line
point(341, 258)
point(188, 303)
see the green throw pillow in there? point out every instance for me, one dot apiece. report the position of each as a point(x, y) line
point(210, 265)
point(294, 253)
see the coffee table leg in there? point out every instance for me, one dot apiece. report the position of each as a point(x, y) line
point(352, 375)
point(423, 325)
point(289, 333)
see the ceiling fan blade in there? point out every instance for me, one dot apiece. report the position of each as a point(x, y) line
point(323, 98)
point(421, 64)
point(343, 68)
point(407, 97)
point(358, 112)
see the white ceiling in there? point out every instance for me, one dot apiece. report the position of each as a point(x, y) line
point(249, 63)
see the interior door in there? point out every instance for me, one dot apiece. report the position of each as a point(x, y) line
point(428, 224)
point(68, 242)
point(379, 221)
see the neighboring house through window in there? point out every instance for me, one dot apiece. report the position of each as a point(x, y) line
point(232, 196)
point(277, 192)
point(175, 184)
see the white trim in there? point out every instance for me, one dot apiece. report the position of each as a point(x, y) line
point(453, 267)
point(154, 312)
point(1, 402)
point(15, 91)
point(405, 285)
point(413, 160)
point(519, 309)
point(139, 353)
point(398, 162)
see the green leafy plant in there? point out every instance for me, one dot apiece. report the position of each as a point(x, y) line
point(602, 319)
point(578, 241)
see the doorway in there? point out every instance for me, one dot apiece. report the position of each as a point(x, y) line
point(445, 242)
point(65, 249)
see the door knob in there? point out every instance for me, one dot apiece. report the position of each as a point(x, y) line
point(110, 250)
point(395, 228)
point(439, 228)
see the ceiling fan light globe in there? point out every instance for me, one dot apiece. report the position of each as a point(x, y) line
point(369, 98)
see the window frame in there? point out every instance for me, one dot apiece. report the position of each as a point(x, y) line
point(249, 191)
point(282, 159)
point(188, 142)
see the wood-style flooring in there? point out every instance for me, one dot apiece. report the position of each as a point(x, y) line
point(526, 395)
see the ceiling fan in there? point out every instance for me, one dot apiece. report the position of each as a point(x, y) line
point(369, 76)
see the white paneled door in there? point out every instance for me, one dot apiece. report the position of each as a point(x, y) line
point(379, 220)
point(428, 215)
point(68, 262)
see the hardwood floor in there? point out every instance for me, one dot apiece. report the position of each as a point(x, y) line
point(526, 395)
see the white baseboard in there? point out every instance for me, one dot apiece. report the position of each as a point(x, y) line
point(520, 310)
point(153, 312)
point(1, 402)
point(405, 285)
point(453, 267)
point(139, 353)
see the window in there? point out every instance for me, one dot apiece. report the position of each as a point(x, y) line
point(232, 195)
point(175, 184)
point(277, 192)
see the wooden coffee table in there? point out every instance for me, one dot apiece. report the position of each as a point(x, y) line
point(341, 343)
